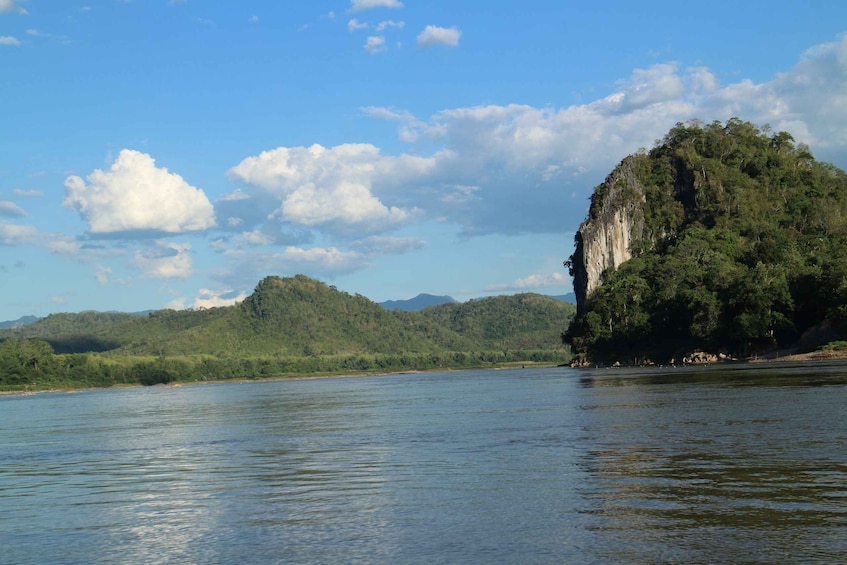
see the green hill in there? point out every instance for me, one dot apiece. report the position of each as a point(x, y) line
point(67, 333)
point(288, 316)
point(299, 316)
point(739, 244)
point(291, 325)
point(522, 321)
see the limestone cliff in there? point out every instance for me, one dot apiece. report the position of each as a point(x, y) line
point(614, 224)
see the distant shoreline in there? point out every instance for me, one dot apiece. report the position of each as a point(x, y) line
point(293, 377)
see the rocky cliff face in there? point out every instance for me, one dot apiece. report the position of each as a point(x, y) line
point(615, 223)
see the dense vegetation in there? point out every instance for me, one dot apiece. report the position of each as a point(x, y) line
point(744, 250)
point(288, 326)
point(522, 321)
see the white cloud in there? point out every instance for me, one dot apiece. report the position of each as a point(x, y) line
point(102, 274)
point(207, 298)
point(329, 188)
point(14, 235)
point(61, 244)
point(22, 192)
point(657, 84)
point(382, 26)
point(253, 19)
point(434, 35)
point(9, 40)
point(533, 282)
point(387, 113)
point(243, 268)
point(11, 7)
point(257, 237)
point(11, 210)
point(374, 44)
point(18, 235)
point(165, 261)
point(135, 195)
point(359, 5)
point(521, 169)
point(355, 24)
point(347, 203)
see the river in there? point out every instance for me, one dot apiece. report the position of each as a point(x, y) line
point(720, 464)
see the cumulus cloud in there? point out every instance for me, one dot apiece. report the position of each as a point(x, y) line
point(11, 210)
point(136, 196)
point(165, 261)
point(374, 44)
point(9, 40)
point(360, 5)
point(657, 84)
point(355, 24)
point(533, 282)
point(11, 7)
point(434, 35)
point(330, 188)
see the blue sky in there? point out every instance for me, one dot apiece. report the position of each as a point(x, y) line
point(160, 153)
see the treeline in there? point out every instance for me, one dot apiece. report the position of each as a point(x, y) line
point(745, 250)
point(30, 364)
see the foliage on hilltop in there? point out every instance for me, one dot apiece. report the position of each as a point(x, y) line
point(289, 316)
point(745, 250)
point(521, 321)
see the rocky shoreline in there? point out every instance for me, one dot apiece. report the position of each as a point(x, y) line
point(706, 358)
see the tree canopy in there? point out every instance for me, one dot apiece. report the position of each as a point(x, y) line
point(744, 250)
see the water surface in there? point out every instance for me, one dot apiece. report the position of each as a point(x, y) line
point(696, 465)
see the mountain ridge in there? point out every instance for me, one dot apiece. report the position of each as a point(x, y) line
point(296, 316)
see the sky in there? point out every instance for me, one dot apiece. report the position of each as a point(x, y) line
point(172, 153)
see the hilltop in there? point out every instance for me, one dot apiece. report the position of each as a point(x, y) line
point(723, 237)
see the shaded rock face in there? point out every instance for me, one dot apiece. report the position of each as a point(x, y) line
point(605, 239)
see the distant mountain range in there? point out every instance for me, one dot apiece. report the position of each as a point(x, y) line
point(419, 302)
point(19, 323)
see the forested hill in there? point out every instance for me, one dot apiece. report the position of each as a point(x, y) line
point(299, 316)
point(522, 321)
point(738, 243)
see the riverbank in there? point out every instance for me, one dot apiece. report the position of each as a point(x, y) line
point(286, 377)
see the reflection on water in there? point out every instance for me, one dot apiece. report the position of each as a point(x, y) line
point(696, 465)
point(739, 465)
